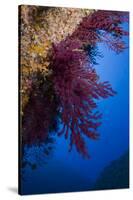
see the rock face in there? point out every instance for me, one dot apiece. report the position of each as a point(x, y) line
point(115, 176)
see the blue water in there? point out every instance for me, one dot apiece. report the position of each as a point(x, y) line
point(68, 171)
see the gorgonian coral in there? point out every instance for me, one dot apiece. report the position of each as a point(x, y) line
point(39, 27)
point(40, 112)
point(103, 26)
point(58, 54)
point(77, 85)
point(76, 82)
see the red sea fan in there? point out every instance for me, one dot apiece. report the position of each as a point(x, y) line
point(39, 113)
point(77, 86)
point(103, 26)
point(75, 80)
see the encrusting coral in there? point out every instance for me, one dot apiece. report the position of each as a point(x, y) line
point(40, 27)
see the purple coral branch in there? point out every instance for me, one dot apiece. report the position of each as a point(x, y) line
point(76, 82)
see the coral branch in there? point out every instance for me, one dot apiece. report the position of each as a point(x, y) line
point(77, 86)
point(75, 80)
